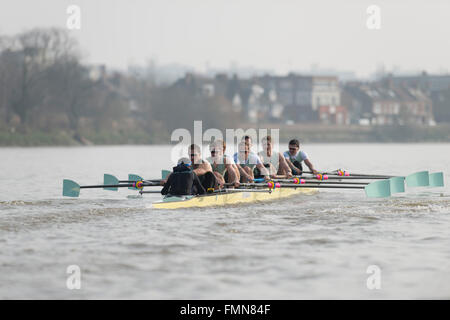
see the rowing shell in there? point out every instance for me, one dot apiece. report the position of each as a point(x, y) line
point(232, 198)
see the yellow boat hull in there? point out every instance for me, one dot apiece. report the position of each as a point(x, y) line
point(232, 198)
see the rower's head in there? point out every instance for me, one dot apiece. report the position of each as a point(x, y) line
point(243, 149)
point(294, 146)
point(222, 144)
point(248, 140)
point(186, 162)
point(217, 148)
point(195, 154)
point(267, 143)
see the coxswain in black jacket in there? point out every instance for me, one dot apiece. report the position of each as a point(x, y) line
point(183, 181)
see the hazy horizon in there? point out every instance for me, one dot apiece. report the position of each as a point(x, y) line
point(280, 36)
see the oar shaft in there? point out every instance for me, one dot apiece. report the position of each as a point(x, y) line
point(131, 181)
point(382, 176)
point(153, 191)
point(126, 185)
point(353, 178)
point(322, 181)
point(322, 186)
point(107, 186)
point(262, 185)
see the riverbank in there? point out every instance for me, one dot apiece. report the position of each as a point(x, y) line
point(305, 132)
point(63, 138)
point(350, 134)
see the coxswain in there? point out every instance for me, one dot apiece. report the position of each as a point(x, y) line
point(183, 181)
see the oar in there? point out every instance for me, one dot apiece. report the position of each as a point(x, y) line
point(418, 179)
point(325, 176)
point(302, 186)
point(397, 184)
point(313, 182)
point(342, 173)
point(109, 179)
point(376, 189)
point(303, 181)
point(72, 189)
point(436, 179)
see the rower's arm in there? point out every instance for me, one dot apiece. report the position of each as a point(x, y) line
point(310, 166)
point(165, 190)
point(198, 185)
point(263, 170)
point(291, 165)
point(203, 168)
point(294, 169)
point(284, 165)
point(231, 173)
point(241, 170)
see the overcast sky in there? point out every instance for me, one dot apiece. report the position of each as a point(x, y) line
point(280, 35)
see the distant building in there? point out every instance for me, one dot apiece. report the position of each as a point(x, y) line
point(437, 87)
point(382, 103)
point(302, 96)
point(246, 96)
point(334, 115)
point(425, 82)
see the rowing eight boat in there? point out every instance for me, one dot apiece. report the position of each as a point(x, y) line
point(229, 198)
point(385, 186)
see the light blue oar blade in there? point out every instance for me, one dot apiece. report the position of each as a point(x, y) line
point(164, 174)
point(418, 179)
point(436, 179)
point(70, 188)
point(110, 179)
point(378, 189)
point(134, 177)
point(397, 184)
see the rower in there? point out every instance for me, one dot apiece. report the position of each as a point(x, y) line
point(224, 148)
point(294, 158)
point(224, 168)
point(246, 161)
point(274, 160)
point(183, 181)
point(252, 155)
point(202, 168)
point(247, 140)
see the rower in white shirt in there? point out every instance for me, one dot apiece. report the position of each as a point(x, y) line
point(294, 158)
point(223, 166)
point(274, 160)
point(247, 161)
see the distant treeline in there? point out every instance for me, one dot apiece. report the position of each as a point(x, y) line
point(48, 92)
point(49, 96)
